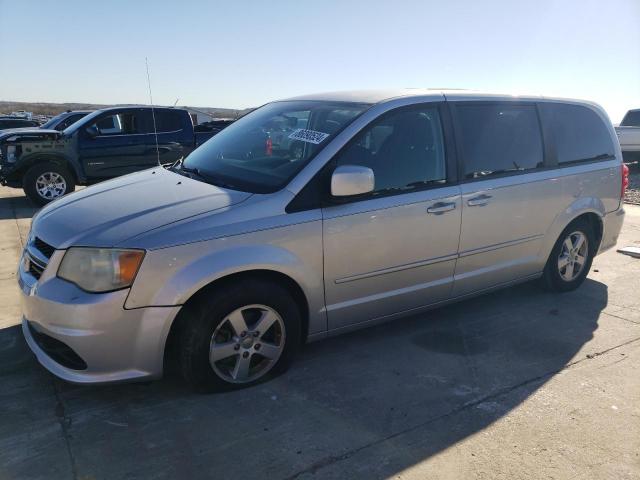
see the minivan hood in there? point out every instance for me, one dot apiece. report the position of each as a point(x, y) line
point(107, 214)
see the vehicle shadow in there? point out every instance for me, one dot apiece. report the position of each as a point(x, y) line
point(383, 399)
point(16, 207)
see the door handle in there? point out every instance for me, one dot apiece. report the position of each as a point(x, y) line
point(479, 201)
point(441, 207)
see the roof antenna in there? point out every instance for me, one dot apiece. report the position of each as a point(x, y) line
point(153, 113)
point(176, 102)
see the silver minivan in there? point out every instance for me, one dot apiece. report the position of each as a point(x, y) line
point(314, 216)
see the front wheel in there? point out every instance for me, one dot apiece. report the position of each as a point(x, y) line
point(239, 335)
point(571, 258)
point(44, 182)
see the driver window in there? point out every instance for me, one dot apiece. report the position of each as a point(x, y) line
point(118, 124)
point(405, 150)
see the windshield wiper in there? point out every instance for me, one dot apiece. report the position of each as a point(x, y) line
point(205, 177)
point(188, 172)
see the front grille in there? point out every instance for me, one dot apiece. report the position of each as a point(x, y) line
point(35, 269)
point(46, 249)
point(57, 350)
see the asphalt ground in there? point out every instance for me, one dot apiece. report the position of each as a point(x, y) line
point(515, 384)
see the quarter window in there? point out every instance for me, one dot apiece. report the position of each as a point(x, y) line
point(498, 139)
point(405, 150)
point(579, 133)
point(167, 121)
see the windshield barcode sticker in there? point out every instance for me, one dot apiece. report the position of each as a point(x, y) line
point(309, 136)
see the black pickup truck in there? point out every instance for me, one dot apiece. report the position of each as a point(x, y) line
point(106, 143)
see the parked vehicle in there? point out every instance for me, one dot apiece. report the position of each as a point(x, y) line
point(629, 135)
point(104, 144)
point(7, 123)
point(216, 125)
point(65, 119)
point(397, 202)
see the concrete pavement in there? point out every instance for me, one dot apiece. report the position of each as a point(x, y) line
point(515, 384)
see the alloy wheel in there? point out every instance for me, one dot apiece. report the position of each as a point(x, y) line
point(50, 185)
point(247, 344)
point(573, 256)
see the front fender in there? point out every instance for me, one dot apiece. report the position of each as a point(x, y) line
point(171, 276)
point(579, 207)
point(62, 158)
point(193, 276)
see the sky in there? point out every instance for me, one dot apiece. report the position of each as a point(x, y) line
point(243, 53)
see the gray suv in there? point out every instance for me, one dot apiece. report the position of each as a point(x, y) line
point(378, 205)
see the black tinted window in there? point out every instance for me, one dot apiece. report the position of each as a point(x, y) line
point(167, 121)
point(499, 138)
point(404, 149)
point(579, 132)
point(631, 119)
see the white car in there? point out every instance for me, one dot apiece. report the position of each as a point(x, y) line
point(629, 135)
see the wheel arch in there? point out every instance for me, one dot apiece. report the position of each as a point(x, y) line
point(588, 208)
point(55, 158)
point(268, 275)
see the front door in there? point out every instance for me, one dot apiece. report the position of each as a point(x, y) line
point(395, 249)
point(121, 147)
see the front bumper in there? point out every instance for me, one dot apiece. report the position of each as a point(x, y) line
point(8, 175)
point(114, 344)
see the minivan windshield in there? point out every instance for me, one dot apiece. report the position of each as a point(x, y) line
point(262, 151)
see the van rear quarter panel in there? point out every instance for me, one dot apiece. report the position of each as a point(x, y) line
point(587, 188)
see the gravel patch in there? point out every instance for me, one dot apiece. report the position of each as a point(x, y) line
point(633, 191)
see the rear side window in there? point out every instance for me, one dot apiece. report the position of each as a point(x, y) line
point(631, 119)
point(579, 132)
point(167, 121)
point(499, 138)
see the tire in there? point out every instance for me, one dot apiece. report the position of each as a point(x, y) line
point(558, 279)
point(209, 324)
point(61, 182)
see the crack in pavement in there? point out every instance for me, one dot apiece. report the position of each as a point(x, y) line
point(15, 220)
point(332, 459)
point(621, 318)
point(65, 423)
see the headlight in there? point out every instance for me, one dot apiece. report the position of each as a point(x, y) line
point(100, 269)
point(12, 154)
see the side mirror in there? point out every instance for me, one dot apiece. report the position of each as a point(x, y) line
point(92, 131)
point(349, 180)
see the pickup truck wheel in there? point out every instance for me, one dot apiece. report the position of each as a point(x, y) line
point(239, 335)
point(571, 258)
point(45, 182)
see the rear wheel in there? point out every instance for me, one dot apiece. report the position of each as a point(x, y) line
point(44, 182)
point(571, 258)
point(240, 335)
